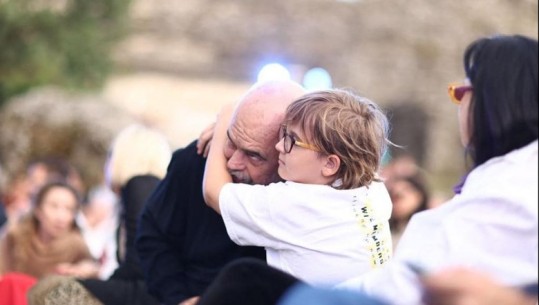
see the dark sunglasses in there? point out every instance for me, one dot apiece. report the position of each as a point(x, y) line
point(456, 91)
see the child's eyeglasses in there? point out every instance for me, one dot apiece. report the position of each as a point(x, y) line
point(289, 141)
point(457, 90)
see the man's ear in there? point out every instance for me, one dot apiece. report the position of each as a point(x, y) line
point(333, 163)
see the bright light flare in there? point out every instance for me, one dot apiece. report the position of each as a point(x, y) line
point(273, 71)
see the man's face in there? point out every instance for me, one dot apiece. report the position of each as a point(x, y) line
point(251, 155)
point(254, 131)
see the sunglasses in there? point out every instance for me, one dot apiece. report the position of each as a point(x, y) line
point(289, 141)
point(457, 90)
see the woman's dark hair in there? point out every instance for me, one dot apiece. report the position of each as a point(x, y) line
point(503, 110)
point(417, 182)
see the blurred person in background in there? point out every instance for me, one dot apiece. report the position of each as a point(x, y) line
point(47, 240)
point(3, 217)
point(137, 162)
point(409, 195)
point(47, 169)
point(16, 200)
point(400, 166)
point(24, 186)
point(99, 220)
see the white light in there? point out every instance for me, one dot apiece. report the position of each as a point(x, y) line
point(273, 71)
point(317, 79)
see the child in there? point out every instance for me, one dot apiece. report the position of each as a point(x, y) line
point(329, 220)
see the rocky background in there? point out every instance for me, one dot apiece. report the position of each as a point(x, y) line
point(186, 58)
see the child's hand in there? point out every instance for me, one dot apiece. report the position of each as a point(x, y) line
point(204, 140)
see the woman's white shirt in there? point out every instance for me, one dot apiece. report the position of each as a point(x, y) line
point(492, 226)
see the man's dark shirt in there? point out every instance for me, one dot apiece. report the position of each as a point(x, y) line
point(182, 243)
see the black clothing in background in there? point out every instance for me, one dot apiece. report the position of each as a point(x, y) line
point(134, 196)
point(3, 217)
point(126, 285)
point(183, 243)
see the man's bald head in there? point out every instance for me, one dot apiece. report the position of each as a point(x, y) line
point(264, 105)
point(254, 129)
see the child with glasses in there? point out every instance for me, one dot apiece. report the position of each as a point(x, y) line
point(328, 220)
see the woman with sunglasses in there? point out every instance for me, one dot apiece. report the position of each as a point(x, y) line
point(491, 223)
point(329, 220)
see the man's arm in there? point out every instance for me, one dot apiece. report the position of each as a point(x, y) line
point(160, 233)
point(215, 174)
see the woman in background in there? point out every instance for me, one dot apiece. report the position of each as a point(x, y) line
point(138, 160)
point(409, 195)
point(47, 240)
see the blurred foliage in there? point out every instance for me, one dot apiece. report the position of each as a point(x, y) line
point(66, 43)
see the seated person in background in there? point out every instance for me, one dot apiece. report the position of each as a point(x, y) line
point(136, 164)
point(329, 220)
point(3, 217)
point(23, 187)
point(409, 195)
point(98, 221)
point(47, 240)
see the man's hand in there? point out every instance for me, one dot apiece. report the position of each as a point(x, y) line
point(461, 286)
point(191, 301)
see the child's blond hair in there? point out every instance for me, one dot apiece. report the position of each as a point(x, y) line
point(344, 124)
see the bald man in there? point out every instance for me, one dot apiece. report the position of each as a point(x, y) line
point(183, 243)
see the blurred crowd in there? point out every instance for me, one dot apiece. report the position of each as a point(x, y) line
point(152, 233)
point(49, 207)
point(53, 224)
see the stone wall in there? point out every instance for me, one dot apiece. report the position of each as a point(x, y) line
point(393, 51)
point(200, 54)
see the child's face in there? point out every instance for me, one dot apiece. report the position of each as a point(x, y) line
point(298, 160)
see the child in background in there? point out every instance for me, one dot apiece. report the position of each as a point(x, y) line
point(329, 220)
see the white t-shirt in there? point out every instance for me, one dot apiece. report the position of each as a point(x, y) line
point(314, 232)
point(491, 227)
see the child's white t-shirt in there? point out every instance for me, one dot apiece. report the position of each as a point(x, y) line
point(315, 232)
